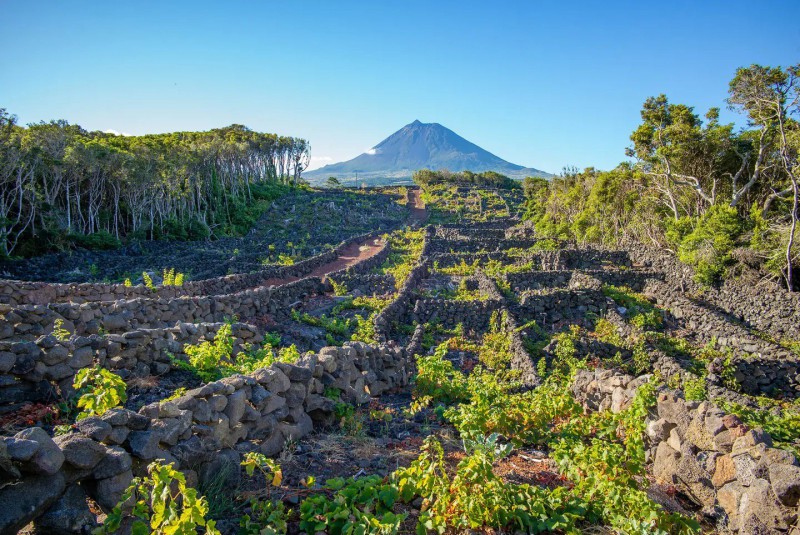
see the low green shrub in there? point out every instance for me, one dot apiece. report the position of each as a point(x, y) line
point(160, 504)
point(356, 506)
point(100, 390)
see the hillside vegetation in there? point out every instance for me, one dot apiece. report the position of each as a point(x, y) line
point(466, 356)
point(62, 185)
point(723, 199)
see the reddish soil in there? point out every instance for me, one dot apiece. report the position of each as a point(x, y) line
point(359, 251)
point(351, 255)
point(418, 212)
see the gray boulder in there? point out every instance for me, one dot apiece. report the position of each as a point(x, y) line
point(48, 457)
point(69, 515)
point(27, 499)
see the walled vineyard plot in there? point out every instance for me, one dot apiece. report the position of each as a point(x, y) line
point(395, 356)
point(451, 205)
point(299, 225)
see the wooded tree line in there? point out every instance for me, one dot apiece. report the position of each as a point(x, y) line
point(485, 179)
point(59, 181)
point(720, 196)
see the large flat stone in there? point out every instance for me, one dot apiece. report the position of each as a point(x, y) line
point(28, 498)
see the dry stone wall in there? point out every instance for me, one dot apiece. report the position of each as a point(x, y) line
point(765, 307)
point(44, 370)
point(46, 480)
point(478, 245)
point(27, 322)
point(14, 292)
point(731, 471)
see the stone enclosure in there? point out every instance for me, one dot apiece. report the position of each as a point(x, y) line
point(729, 470)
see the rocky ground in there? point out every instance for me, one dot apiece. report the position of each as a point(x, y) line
point(298, 225)
point(499, 306)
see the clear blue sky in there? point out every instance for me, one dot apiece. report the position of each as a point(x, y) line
point(542, 84)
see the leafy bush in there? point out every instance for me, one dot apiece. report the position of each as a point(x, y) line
point(100, 390)
point(438, 379)
point(160, 504)
point(339, 289)
point(267, 517)
point(476, 497)
point(102, 240)
point(206, 357)
point(357, 506)
point(148, 280)
point(61, 334)
point(171, 278)
point(708, 247)
point(694, 388)
point(365, 329)
point(520, 417)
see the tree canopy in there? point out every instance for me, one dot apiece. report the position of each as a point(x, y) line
point(707, 189)
point(485, 179)
point(57, 179)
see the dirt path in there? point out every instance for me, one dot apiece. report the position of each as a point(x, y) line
point(418, 211)
point(350, 255)
point(359, 251)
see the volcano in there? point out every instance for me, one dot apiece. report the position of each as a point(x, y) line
point(418, 146)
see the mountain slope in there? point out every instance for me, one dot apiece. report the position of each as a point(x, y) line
point(419, 146)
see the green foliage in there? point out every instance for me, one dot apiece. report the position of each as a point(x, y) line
point(351, 421)
point(405, 250)
point(333, 325)
point(267, 517)
point(476, 497)
point(566, 362)
point(250, 361)
point(207, 357)
point(607, 332)
point(708, 247)
point(289, 354)
point(333, 183)
point(148, 281)
point(160, 504)
point(438, 379)
point(365, 329)
point(180, 391)
point(495, 348)
point(268, 467)
point(171, 278)
point(339, 289)
point(100, 390)
point(781, 421)
point(461, 269)
point(285, 260)
point(356, 506)
point(486, 179)
point(272, 339)
point(694, 388)
point(521, 417)
point(640, 312)
point(213, 360)
point(61, 334)
point(101, 240)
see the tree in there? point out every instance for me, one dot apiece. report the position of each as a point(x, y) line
point(333, 183)
point(60, 183)
point(770, 96)
point(682, 154)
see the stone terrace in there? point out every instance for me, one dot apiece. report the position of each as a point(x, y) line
point(136, 334)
